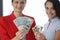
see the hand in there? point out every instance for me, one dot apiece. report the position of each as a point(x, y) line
point(21, 33)
point(39, 36)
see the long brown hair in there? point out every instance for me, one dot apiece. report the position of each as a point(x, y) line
point(56, 5)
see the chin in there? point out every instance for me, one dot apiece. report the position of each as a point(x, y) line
point(51, 18)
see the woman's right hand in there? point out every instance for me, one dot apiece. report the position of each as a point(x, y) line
point(20, 34)
point(39, 36)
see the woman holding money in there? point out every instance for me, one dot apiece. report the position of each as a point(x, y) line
point(52, 28)
point(9, 30)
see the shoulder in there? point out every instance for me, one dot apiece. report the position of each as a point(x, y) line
point(2, 24)
point(3, 19)
point(57, 25)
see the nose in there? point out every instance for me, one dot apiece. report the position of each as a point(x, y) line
point(49, 11)
point(19, 5)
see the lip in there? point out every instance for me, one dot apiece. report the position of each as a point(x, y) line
point(19, 8)
point(49, 15)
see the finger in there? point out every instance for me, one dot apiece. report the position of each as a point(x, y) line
point(19, 32)
point(21, 35)
point(37, 33)
point(38, 38)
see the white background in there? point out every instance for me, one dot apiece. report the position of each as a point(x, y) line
point(34, 8)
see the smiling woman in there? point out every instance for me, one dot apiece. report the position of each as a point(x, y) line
point(52, 28)
point(9, 30)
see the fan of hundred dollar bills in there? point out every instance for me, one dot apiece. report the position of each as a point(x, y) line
point(25, 22)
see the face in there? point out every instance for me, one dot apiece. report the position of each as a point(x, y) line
point(50, 10)
point(18, 5)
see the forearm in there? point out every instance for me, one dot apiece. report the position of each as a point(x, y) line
point(57, 35)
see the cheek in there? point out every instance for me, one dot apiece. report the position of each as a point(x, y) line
point(14, 5)
point(46, 11)
point(54, 13)
point(22, 5)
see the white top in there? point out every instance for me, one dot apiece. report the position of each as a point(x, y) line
point(51, 27)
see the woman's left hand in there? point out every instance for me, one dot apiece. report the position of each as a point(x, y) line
point(39, 36)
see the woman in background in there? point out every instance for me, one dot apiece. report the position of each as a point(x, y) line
point(52, 28)
point(8, 30)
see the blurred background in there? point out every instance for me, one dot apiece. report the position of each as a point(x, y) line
point(34, 8)
point(1, 7)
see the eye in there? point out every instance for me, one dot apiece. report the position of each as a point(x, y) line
point(22, 2)
point(16, 2)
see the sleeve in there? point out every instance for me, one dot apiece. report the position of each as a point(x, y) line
point(3, 35)
point(30, 35)
point(58, 28)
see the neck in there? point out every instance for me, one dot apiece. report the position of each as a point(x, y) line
point(18, 14)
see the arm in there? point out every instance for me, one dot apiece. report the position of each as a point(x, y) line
point(4, 35)
point(57, 35)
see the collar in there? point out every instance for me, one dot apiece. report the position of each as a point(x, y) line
point(12, 16)
point(54, 19)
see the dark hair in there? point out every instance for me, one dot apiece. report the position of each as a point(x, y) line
point(12, 0)
point(56, 5)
